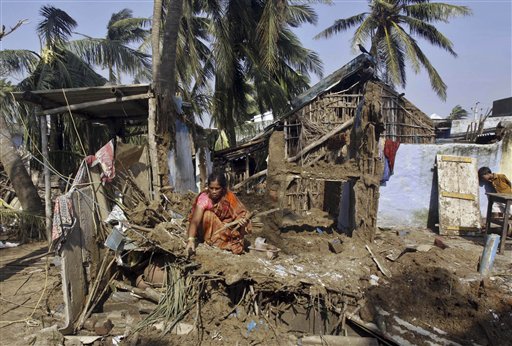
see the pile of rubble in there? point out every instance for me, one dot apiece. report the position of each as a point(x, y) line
point(125, 278)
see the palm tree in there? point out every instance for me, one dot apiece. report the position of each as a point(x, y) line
point(55, 66)
point(254, 48)
point(161, 123)
point(391, 27)
point(114, 52)
point(458, 113)
point(13, 164)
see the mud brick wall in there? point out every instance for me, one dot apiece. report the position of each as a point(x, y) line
point(363, 169)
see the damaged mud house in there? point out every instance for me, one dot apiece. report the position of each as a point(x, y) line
point(334, 193)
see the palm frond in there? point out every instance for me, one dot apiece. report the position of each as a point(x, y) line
point(269, 26)
point(103, 52)
point(408, 43)
point(429, 33)
point(342, 25)
point(300, 58)
point(56, 26)
point(430, 12)
point(117, 16)
point(17, 62)
point(394, 57)
point(129, 30)
point(435, 79)
point(364, 31)
point(299, 14)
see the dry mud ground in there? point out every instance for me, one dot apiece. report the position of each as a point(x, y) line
point(437, 291)
point(26, 292)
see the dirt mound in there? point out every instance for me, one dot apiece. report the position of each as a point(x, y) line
point(428, 294)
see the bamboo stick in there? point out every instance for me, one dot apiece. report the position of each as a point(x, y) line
point(252, 177)
point(322, 139)
point(79, 106)
point(47, 178)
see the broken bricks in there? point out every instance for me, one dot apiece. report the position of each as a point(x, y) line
point(101, 326)
point(336, 245)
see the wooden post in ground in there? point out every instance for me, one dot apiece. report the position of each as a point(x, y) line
point(47, 181)
point(153, 153)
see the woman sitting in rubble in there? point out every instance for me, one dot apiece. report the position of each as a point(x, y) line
point(212, 210)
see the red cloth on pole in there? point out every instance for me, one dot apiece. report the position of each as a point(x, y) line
point(390, 149)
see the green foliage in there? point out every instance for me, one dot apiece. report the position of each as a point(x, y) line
point(256, 52)
point(458, 113)
point(392, 27)
point(113, 52)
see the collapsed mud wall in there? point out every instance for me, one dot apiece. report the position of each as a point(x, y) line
point(303, 185)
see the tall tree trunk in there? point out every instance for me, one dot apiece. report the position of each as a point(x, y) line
point(20, 179)
point(230, 125)
point(165, 86)
point(152, 109)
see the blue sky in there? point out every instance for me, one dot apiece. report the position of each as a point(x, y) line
point(482, 71)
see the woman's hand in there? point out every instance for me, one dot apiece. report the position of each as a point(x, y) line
point(242, 222)
point(191, 247)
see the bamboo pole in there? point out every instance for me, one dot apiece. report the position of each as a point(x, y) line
point(252, 177)
point(47, 180)
point(322, 139)
point(84, 105)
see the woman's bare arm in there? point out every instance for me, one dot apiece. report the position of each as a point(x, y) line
point(195, 221)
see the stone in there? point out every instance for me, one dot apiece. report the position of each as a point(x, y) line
point(103, 327)
point(440, 243)
point(335, 245)
point(46, 336)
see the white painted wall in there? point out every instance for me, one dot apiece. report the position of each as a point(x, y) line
point(461, 126)
point(405, 201)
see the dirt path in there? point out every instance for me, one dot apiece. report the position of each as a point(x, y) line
point(23, 281)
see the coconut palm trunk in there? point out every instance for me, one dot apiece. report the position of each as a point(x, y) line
point(20, 179)
point(152, 109)
point(165, 87)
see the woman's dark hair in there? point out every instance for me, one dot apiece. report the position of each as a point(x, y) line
point(483, 171)
point(218, 177)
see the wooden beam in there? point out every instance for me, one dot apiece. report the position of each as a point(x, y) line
point(465, 196)
point(38, 100)
point(448, 158)
point(322, 139)
point(252, 177)
point(84, 105)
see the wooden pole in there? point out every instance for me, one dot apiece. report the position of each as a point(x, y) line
point(322, 139)
point(252, 177)
point(153, 152)
point(47, 181)
point(84, 105)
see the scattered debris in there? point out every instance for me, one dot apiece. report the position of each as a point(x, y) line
point(489, 254)
point(440, 243)
point(337, 340)
point(7, 244)
point(379, 265)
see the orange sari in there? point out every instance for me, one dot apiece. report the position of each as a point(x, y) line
point(228, 209)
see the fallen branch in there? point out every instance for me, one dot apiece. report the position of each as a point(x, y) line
point(322, 139)
point(147, 293)
point(379, 265)
point(4, 33)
